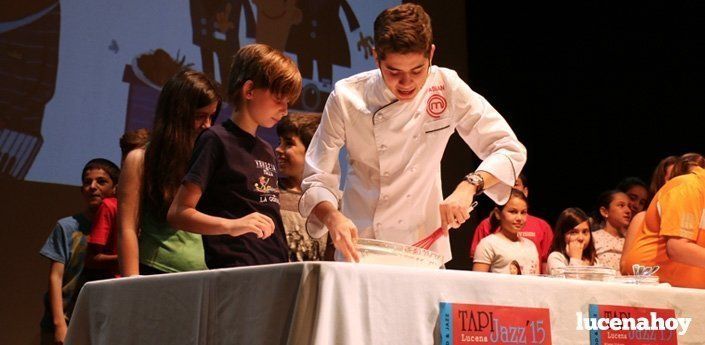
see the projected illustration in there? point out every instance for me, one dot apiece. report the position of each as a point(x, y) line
point(64, 101)
point(29, 50)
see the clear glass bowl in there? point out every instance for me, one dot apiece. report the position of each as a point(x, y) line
point(595, 273)
point(637, 280)
point(390, 253)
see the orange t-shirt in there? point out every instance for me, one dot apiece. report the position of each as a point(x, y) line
point(677, 210)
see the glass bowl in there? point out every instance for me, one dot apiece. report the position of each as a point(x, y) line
point(380, 252)
point(595, 273)
point(636, 280)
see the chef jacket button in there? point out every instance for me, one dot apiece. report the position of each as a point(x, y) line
point(416, 137)
point(412, 169)
point(401, 221)
point(408, 196)
point(379, 225)
point(386, 173)
point(385, 197)
point(382, 147)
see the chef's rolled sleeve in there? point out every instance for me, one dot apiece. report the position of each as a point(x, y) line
point(488, 134)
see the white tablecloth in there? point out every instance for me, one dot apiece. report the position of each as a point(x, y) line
point(339, 303)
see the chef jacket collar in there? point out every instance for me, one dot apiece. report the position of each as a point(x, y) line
point(386, 96)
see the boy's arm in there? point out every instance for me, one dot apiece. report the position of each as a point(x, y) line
point(56, 278)
point(321, 183)
point(183, 215)
point(128, 215)
point(100, 233)
point(95, 258)
point(454, 209)
point(342, 230)
point(488, 134)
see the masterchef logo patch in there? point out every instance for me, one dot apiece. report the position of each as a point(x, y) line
point(436, 105)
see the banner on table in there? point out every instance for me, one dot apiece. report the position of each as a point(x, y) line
point(621, 325)
point(490, 324)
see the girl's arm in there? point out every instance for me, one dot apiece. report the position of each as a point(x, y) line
point(633, 229)
point(480, 267)
point(183, 215)
point(128, 215)
point(555, 260)
point(685, 251)
point(484, 255)
point(56, 278)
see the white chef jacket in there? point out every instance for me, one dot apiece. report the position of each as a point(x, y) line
point(393, 184)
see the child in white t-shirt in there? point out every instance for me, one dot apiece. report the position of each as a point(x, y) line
point(497, 252)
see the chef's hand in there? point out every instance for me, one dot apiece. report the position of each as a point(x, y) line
point(344, 234)
point(454, 209)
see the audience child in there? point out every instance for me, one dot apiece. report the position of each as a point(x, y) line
point(66, 250)
point(613, 209)
point(187, 105)
point(686, 163)
point(671, 234)
point(536, 229)
point(496, 252)
point(230, 193)
point(573, 244)
point(637, 192)
point(101, 257)
point(295, 132)
point(662, 174)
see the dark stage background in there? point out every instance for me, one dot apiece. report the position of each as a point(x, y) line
point(596, 91)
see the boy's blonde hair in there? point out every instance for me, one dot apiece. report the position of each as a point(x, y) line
point(268, 68)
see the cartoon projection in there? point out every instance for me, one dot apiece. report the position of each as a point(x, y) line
point(29, 54)
point(274, 20)
point(321, 37)
point(146, 76)
point(215, 30)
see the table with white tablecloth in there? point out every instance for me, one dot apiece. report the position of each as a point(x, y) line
point(339, 303)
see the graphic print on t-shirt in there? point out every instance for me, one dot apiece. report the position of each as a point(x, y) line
point(266, 184)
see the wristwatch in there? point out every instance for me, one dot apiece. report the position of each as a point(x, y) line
point(476, 180)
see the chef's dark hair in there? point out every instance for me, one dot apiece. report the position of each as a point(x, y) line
point(403, 29)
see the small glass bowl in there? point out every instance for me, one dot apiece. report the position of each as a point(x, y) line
point(594, 273)
point(636, 280)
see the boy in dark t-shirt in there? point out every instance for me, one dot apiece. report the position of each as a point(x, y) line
point(230, 193)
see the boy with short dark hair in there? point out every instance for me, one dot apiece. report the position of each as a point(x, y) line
point(395, 122)
point(101, 257)
point(66, 248)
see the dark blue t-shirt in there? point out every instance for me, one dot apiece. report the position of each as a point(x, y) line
point(238, 176)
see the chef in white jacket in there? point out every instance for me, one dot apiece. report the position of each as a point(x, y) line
point(395, 122)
